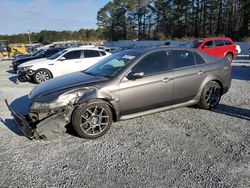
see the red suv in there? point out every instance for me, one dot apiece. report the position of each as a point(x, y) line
point(216, 47)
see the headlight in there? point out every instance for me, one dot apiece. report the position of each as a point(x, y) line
point(62, 100)
point(25, 68)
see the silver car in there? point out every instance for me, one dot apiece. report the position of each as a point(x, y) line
point(125, 85)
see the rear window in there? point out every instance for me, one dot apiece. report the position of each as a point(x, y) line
point(227, 42)
point(181, 59)
point(91, 53)
point(73, 55)
point(219, 43)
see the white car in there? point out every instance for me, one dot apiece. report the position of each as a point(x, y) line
point(64, 62)
point(238, 49)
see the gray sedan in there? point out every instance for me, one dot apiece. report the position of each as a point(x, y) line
point(125, 85)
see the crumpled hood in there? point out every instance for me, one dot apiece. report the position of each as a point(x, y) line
point(33, 62)
point(66, 83)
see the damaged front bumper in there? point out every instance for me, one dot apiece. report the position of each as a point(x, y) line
point(47, 129)
point(24, 75)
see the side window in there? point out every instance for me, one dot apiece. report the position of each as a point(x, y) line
point(209, 44)
point(153, 63)
point(219, 43)
point(91, 53)
point(73, 55)
point(199, 59)
point(181, 58)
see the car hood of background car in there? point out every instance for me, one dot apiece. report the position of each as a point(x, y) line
point(36, 61)
point(63, 83)
point(26, 58)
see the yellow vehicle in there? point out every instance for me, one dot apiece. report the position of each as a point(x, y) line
point(11, 50)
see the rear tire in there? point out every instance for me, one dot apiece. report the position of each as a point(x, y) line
point(41, 75)
point(92, 120)
point(211, 95)
point(229, 57)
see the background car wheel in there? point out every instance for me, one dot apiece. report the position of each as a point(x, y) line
point(41, 75)
point(229, 57)
point(210, 96)
point(92, 120)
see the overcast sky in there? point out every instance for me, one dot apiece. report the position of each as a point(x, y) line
point(19, 16)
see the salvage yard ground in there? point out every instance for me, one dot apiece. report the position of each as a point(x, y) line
point(186, 147)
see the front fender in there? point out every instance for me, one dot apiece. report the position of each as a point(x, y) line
point(95, 94)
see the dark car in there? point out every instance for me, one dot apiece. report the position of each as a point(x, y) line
point(26, 55)
point(42, 54)
point(125, 85)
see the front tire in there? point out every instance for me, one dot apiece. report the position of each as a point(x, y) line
point(211, 95)
point(92, 120)
point(41, 75)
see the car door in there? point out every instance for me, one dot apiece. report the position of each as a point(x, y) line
point(153, 90)
point(219, 48)
point(208, 48)
point(71, 63)
point(90, 58)
point(188, 75)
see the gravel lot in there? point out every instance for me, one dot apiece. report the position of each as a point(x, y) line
point(186, 147)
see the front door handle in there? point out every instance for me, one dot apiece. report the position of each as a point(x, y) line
point(200, 72)
point(166, 79)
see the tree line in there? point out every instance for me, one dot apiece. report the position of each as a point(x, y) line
point(156, 19)
point(47, 36)
point(163, 19)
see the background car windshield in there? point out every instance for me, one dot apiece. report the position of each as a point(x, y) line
point(57, 55)
point(195, 43)
point(111, 65)
point(35, 53)
point(40, 54)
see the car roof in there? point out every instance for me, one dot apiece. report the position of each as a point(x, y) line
point(83, 48)
point(214, 38)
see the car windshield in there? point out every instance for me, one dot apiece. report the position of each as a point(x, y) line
point(56, 55)
point(40, 53)
point(195, 43)
point(35, 53)
point(111, 65)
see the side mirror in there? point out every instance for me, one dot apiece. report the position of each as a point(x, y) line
point(135, 75)
point(204, 47)
point(61, 59)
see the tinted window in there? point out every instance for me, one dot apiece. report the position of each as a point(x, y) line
point(199, 59)
point(209, 44)
point(153, 63)
point(219, 43)
point(227, 42)
point(73, 55)
point(181, 58)
point(50, 53)
point(91, 53)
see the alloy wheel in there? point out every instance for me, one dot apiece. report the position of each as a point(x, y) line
point(94, 120)
point(42, 76)
point(212, 96)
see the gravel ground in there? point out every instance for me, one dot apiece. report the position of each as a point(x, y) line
point(186, 147)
